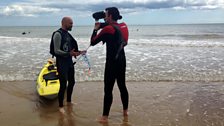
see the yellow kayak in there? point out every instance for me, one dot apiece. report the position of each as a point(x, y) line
point(47, 82)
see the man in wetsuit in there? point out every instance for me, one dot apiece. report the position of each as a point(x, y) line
point(115, 66)
point(65, 46)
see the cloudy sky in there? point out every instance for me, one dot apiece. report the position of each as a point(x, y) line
point(50, 12)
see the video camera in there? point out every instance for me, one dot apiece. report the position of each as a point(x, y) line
point(100, 15)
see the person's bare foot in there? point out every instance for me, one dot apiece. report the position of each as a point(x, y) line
point(103, 119)
point(62, 110)
point(125, 120)
point(70, 103)
point(125, 112)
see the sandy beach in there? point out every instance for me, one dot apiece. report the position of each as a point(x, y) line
point(151, 104)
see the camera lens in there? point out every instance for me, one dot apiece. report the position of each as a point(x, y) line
point(98, 15)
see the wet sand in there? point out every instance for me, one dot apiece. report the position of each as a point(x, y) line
point(151, 104)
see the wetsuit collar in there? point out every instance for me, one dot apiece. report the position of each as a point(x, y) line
point(114, 23)
point(63, 30)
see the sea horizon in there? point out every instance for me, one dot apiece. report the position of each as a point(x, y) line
point(212, 23)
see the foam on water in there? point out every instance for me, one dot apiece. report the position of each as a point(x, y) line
point(179, 42)
point(161, 58)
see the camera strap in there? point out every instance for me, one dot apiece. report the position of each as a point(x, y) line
point(121, 40)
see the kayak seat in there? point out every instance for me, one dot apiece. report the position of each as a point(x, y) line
point(50, 76)
point(51, 67)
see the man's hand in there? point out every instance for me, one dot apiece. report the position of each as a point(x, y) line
point(97, 26)
point(73, 53)
point(83, 52)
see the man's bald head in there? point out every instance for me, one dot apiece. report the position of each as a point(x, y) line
point(67, 23)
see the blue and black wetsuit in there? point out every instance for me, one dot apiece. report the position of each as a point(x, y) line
point(115, 68)
point(63, 44)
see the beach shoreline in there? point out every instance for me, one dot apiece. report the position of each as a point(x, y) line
point(151, 104)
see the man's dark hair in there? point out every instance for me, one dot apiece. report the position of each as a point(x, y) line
point(114, 12)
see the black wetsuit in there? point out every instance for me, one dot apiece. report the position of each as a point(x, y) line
point(63, 44)
point(114, 68)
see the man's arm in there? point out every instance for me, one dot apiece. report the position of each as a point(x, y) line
point(95, 39)
point(102, 36)
point(57, 45)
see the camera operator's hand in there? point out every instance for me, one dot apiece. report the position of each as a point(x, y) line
point(97, 26)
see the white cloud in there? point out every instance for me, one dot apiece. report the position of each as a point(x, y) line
point(179, 8)
point(39, 7)
point(204, 4)
point(26, 10)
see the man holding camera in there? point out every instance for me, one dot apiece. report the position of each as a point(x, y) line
point(115, 35)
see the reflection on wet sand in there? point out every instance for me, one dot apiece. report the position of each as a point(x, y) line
point(207, 106)
point(151, 104)
point(67, 119)
point(48, 111)
point(124, 122)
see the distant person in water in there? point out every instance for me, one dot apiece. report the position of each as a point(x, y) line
point(65, 46)
point(23, 33)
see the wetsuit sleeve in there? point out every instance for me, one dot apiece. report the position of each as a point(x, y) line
point(102, 36)
point(94, 38)
point(57, 45)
